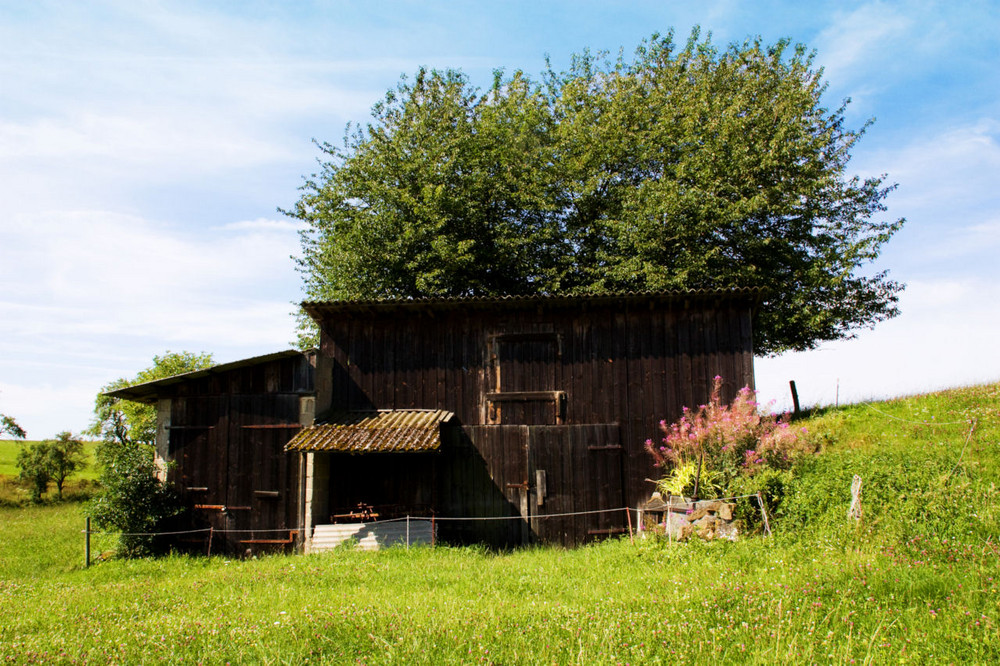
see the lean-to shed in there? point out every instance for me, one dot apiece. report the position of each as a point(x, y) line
point(221, 435)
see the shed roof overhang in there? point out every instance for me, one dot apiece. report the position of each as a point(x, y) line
point(374, 431)
point(149, 392)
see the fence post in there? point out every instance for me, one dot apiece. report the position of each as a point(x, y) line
point(88, 543)
point(763, 511)
point(211, 532)
point(628, 519)
point(407, 530)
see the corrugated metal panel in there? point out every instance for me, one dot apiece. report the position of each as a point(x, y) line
point(749, 295)
point(374, 431)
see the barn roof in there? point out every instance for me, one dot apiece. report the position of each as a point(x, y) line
point(681, 298)
point(384, 430)
point(148, 392)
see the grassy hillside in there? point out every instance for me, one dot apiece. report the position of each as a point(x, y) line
point(14, 493)
point(916, 581)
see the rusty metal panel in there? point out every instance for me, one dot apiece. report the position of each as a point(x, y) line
point(375, 431)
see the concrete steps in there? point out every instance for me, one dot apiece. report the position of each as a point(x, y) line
point(371, 536)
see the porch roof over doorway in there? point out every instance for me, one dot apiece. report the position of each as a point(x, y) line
point(383, 430)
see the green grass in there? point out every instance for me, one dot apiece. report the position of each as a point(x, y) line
point(915, 582)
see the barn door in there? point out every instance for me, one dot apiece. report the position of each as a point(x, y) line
point(574, 470)
point(260, 475)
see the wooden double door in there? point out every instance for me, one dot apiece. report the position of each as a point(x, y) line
point(563, 482)
point(229, 462)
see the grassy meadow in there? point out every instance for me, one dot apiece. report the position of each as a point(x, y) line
point(915, 582)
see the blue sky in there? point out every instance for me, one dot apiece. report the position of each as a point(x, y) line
point(146, 146)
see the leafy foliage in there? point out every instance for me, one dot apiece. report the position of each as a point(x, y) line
point(689, 167)
point(9, 425)
point(134, 501)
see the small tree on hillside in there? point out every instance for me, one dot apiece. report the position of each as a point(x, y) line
point(52, 460)
point(35, 466)
point(9, 425)
point(65, 458)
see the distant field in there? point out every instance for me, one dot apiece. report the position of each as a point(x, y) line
point(915, 582)
point(10, 447)
point(14, 492)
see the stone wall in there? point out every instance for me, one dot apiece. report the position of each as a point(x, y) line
point(680, 518)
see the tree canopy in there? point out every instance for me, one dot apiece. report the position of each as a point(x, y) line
point(686, 166)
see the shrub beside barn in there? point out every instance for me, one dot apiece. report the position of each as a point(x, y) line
point(518, 409)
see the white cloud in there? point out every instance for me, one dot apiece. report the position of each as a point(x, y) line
point(860, 40)
point(954, 167)
point(32, 406)
point(96, 294)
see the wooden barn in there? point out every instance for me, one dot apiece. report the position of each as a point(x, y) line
point(529, 412)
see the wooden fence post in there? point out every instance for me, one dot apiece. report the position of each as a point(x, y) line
point(88, 543)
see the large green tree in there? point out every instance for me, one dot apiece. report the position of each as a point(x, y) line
point(683, 167)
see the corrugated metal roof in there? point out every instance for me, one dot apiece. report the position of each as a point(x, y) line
point(148, 392)
point(745, 294)
point(385, 430)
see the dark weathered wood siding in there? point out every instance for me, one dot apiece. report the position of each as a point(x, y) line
point(227, 432)
point(570, 386)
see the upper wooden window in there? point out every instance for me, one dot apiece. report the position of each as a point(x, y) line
point(523, 386)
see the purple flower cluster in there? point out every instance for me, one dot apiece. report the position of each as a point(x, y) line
point(735, 439)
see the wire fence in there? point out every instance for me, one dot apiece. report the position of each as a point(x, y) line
point(631, 515)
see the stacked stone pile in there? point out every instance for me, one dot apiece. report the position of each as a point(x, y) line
point(680, 518)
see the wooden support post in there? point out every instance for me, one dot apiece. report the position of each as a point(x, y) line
point(433, 535)
point(795, 396)
point(211, 532)
point(407, 531)
point(88, 543)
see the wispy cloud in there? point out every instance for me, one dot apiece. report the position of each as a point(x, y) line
point(859, 40)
